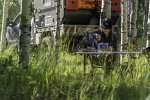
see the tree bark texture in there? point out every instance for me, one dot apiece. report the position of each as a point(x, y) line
point(105, 9)
point(148, 26)
point(57, 35)
point(124, 26)
point(134, 18)
point(4, 20)
point(124, 21)
point(25, 30)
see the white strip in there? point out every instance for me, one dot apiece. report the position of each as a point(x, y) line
point(108, 52)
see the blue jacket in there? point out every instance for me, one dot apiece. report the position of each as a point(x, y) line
point(92, 42)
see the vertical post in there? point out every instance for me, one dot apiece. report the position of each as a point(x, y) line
point(92, 66)
point(84, 64)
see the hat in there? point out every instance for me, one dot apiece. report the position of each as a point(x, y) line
point(106, 23)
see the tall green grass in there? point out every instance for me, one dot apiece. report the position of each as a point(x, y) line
point(44, 80)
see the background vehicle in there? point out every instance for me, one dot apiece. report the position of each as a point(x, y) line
point(77, 17)
point(73, 12)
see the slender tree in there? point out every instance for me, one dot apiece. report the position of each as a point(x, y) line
point(105, 9)
point(145, 20)
point(134, 18)
point(24, 38)
point(57, 35)
point(148, 26)
point(124, 25)
point(4, 19)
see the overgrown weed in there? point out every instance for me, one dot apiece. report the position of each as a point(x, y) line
point(46, 80)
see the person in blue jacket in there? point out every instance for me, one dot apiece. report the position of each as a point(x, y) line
point(104, 39)
point(103, 35)
point(9, 33)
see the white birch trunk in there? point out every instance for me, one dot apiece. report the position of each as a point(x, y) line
point(145, 20)
point(57, 35)
point(24, 38)
point(124, 26)
point(148, 27)
point(105, 10)
point(134, 18)
point(4, 19)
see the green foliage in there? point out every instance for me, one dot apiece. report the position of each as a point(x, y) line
point(46, 81)
point(14, 9)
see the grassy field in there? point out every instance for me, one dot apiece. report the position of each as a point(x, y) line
point(46, 81)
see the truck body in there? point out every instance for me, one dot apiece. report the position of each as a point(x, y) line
point(76, 16)
point(73, 12)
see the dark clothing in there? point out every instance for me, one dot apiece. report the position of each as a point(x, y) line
point(111, 40)
point(103, 59)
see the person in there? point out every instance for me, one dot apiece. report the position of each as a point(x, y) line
point(13, 30)
point(103, 39)
point(9, 33)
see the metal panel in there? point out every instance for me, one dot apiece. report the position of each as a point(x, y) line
point(72, 4)
point(45, 9)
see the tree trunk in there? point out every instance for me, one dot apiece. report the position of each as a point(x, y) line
point(145, 20)
point(129, 19)
point(57, 35)
point(124, 26)
point(105, 9)
point(4, 19)
point(134, 18)
point(148, 26)
point(25, 29)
